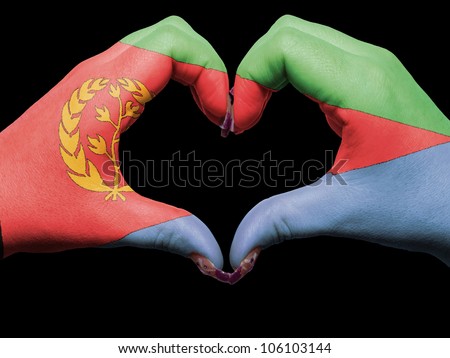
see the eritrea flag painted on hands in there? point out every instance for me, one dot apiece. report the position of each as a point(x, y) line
point(368, 97)
point(389, 183)
point(70, 140)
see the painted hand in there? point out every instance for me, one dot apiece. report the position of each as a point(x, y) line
point(61, 185)
point(390, 181)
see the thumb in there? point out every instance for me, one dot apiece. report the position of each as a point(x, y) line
point(309, 211)
point(177, 231)
point(382, 204)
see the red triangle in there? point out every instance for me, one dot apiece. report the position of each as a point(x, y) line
point(368, 140)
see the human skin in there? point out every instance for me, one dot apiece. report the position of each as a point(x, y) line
point(395, 145)
point(389, 184)
point(70, 140)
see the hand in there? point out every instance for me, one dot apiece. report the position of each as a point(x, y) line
point(59, 162)
point(389, 184)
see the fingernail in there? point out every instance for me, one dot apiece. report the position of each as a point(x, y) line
point(228, 123)
point(245, 267)
point(222, 276)
point(207, 268)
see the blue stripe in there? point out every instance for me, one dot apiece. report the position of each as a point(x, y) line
point(183, 236)
point(403, 203)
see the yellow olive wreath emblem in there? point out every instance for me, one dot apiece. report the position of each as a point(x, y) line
point(81, 170)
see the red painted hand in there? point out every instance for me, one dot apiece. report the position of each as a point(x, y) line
point(68, 143)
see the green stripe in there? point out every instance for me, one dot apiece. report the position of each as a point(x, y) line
point(341, 71)
point(174, 37)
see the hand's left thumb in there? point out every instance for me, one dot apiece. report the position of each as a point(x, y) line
point(310, 211)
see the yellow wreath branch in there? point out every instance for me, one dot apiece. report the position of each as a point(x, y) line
point(81, 170)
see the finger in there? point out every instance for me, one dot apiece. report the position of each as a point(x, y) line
point(171, 49)
point(328, 34)
point(286, 54)
point(378, 204)
point(332, 68)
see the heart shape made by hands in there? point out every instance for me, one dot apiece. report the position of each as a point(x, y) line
point(390, 131)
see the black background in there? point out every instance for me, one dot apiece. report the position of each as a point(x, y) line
point(321, 287)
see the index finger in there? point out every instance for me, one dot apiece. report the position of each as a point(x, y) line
point(332, 68)
point(171, 49)
point(288, 53)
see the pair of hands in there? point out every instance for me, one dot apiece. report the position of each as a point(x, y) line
point(393, 158)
